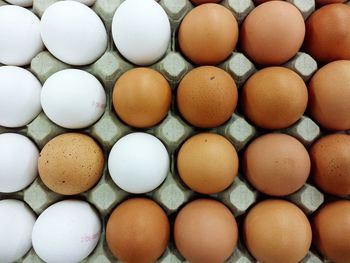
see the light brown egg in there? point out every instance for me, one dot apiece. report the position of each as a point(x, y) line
point(200, 2)
point(276, 164)
point(274, 98)
point(329, 96)
point(277, 231)
point(327, 33)
point(272, 33)
point(137, 231)
point(326, 2)
point(330, 160)
point(207, 163)
point(71, 163)
point(331, 231)
point(208, 34)
point(141, 97)
point(207, 96)
point(205, 231)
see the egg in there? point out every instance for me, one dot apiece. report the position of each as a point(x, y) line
point(78, 39)
point(208, 34)
point(327, 36)
point(138, 163)
point(200, 2)
point(277, 231)
point(141, 97)
point(71, 163)
point(326, 2)
point(205, 231)
point(18, 162)
point(207, 97)
point(16, 225)
point(141, 31)
point(331, 228)
point(73, 98)
point(274, 98)
point(137, 231)
point(19, 96)
point(207, 163)
point(276, 164)
point(329, 95)
point(330, 157)
point(19, 34)
point(66, 232)
point(23, 3)
point(272, 33)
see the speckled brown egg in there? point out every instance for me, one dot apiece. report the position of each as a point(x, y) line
point(326, 2)
point(277, 231)
point(208, 34)
point(274, 98)
point(331, 231)
point(141, 97)
point(276, 164)
point(272, 33)
point(329, 96)
point(200, 2)
point(137, 231)
point(330, 160)
point(327, 33)
point(205, 231)
point(71, 163)
point(207, 163)
point(207, 96)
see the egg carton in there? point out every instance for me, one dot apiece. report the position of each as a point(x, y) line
point(172, 131)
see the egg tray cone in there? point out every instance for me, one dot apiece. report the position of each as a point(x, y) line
point(172, 131)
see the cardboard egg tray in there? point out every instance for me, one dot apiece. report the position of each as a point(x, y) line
point(172, 131)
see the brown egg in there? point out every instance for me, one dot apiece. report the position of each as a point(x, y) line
point(141, 97)
point(272, 33)
point(205, 231)
point(276, 164)
point(329, 96)
point(208, 34)
point(326, 2)
point(330, 162)
point(274, 98)
point(207, 96)
point(277, 231)
point(137, 231)
point(71, 163)
point(200, 2)
point(331, 231)
point(327, 33)
point(207, 163)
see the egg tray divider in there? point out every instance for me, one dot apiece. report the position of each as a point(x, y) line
point(172, 131)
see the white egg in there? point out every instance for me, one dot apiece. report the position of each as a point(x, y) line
point(23, 3)
point(16, 225)
point(86, 2)
point(138, 163)
point(141, 31)
point(73, 98)
point(73, 33)
point(66, 232)
point(20, 39)
point(19, 96)
point(18, 162)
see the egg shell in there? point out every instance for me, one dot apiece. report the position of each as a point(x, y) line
point(207, 163)
point(329, 95)
point(277, 231)
point(327, 33)
point(330, 157)
point(331, 228)
point(205, 231)
point(207, 96)
point(19, 34)
point(66, 232)
point(208, 34)
point(272, 33)
point(19, 96)
point(71, 163)
point(138, 231)
point(16, 225)
point(274, 98)
point(141, 97)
